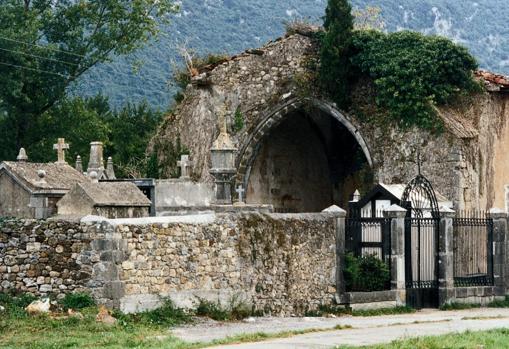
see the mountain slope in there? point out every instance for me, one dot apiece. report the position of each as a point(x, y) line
point(231, 26)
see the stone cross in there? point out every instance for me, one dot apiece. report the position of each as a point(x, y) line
point(185, 165)
point(60, 147)
point(240, 192)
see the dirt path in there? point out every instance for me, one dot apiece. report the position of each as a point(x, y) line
point(364, 331)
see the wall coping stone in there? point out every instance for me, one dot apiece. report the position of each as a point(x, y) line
point(446, 212)
point(200, 219)
point(395, 211)
point(335, 210)
point(497, 213)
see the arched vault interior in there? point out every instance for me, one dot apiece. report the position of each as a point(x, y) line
point(307, 163)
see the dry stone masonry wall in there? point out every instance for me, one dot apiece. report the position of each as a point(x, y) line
point(276, 264)
point(41, 257)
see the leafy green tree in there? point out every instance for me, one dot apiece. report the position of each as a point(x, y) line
point(45, 46)
point(79, 120)
point(130, 131)
point(335, 50)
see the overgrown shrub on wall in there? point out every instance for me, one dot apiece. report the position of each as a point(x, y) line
point(413, 73)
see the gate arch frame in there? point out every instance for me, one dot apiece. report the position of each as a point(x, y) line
point(249, 150)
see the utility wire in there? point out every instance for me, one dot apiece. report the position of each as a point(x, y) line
point(42, 46)
point(33, 69)
point(36, 56)
point(130, 74)
point(66, 76)
point(66, 52)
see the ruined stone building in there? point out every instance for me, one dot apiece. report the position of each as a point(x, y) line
point(297, 151)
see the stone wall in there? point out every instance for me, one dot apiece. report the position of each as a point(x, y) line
point(277, 264)
point(42, 257)
point(280, 264)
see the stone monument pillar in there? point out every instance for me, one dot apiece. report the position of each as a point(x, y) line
point(397, 215)
point(222, 167)
point(96, 162)
point(446, 291)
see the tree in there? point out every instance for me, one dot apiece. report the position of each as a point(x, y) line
point(335, 50)
point(46, 45)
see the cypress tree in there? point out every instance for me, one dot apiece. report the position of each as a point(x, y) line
point(335, 50)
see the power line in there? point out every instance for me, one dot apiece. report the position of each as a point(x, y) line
point(65, 76)
point(66, 52)
point(45, 71)
point(74, 64)
point(36, 56)
point(45, 47)
point(33, 69)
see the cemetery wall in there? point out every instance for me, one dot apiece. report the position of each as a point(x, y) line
point(43, 257)
point(276, 264)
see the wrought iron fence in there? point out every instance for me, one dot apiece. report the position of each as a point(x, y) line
point(421, 245)
point(369, 236)
point(473, 249)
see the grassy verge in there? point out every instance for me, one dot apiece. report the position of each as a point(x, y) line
point(461, 306)
point(495, 339)
point(151, 329)
point(339, 311)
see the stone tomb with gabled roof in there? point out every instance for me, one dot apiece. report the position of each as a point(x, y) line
point(106, 199)
point(32, 190)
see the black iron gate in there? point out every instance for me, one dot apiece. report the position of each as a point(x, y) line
point(421, 262)
point(421, 243)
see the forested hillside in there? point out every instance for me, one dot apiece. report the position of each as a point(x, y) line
point(230, 26)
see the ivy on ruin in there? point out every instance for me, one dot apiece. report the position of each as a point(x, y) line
point(412, 73)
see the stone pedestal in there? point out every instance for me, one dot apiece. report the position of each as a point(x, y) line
point(500, 241)
point(446, 293)
point(397, 215)
point(340, 216)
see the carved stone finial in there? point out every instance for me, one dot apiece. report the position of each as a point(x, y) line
point(110, 171)
point(94, 177)
point(42, 175)
point(79, 164)
point(22, 156)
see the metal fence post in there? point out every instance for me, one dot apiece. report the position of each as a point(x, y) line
point(397, 215)
point(500, 262)
point(446, 256)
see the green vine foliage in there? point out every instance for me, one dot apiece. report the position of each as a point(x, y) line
point(413, 73)
point(238, 120)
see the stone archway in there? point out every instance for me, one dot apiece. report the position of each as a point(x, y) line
point(309, 140)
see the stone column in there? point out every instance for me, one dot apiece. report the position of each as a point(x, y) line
point(446, 257)
point(397, 215)
point(340, 216)
point(500, 241)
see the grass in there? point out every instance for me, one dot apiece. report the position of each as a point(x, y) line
point(151, 329)
point(495, 339)
point(462, 306)
point(327, 310)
